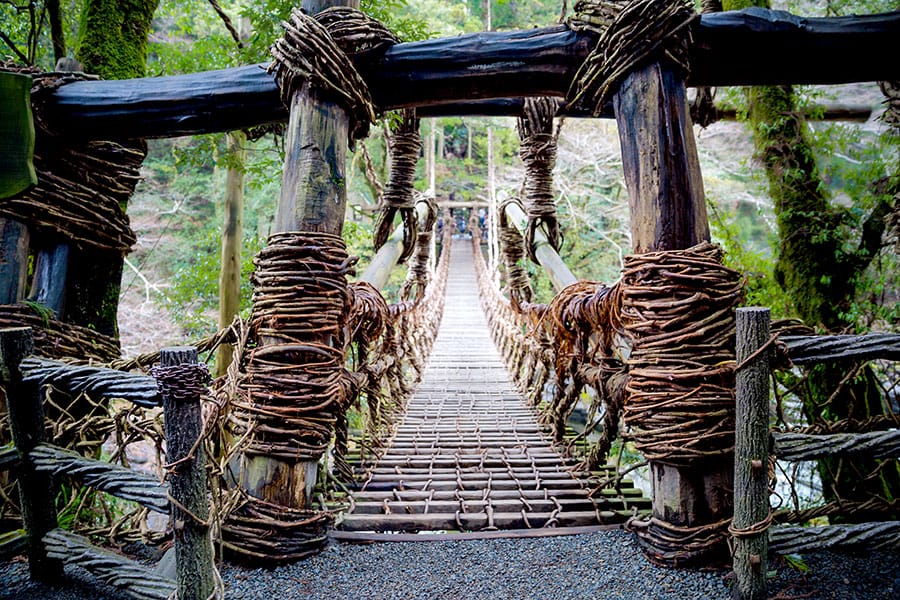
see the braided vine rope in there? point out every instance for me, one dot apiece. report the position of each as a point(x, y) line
point(82, 185)
point(56, 340)
point(417, 275)
point(537, 149)
point(512, 251)
point(629, 34)
point(316, 52)
point(405, 144)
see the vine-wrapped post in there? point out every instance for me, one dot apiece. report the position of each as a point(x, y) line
point(292, 387)
point(181, 380)
point(691, 484)
point(751, 454)
point(26, 419)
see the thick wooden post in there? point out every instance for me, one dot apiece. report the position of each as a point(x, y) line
point(50, 273)
point(313, 198)
point(668, 212)
point(187, 484)
point(13, 260)
point(751, 454)
point(26, 420)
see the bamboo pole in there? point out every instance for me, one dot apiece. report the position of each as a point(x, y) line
point(558, 271)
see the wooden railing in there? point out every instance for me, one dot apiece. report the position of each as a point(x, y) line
point(38, 465)
point(755, 442)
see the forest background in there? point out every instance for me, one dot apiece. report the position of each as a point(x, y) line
point(170, 283)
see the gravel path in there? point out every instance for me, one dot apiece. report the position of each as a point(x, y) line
point(606, 565)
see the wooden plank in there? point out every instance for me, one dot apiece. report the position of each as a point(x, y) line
point(9, 458)
point(497, 484)
point(504, 505)
point(802, 349)
point(188, 484)
point(133, 578)
point(751, 452)
point(537, 62)
point(113, 479)
point(13, 543)
point(801, 446)
point(477, 521)
point(493, 493)
point(26, 422)
point(363, 537)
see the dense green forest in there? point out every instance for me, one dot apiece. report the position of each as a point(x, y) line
point(170, 280)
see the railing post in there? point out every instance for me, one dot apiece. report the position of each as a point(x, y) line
point(181, 380)
point(751, 454)
point(26, 421)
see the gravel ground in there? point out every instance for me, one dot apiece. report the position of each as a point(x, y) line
point(605, 565)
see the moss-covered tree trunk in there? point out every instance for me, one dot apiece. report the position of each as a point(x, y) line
point(112, 44)
point(820, 270)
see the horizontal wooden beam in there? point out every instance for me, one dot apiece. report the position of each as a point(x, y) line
point(536, 62)
point(13, 543)
point(513, 107)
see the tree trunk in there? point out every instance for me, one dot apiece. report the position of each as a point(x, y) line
point(232, 232)
point(113, 45)
point(820, 277)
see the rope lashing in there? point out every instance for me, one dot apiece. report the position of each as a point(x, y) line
point(676, 545)
point(417, 275)
point(316, 51)
point(512, 251)
point(292, 386)
point(81, 185)
point(678, 308)
point(405, 145)
point(537, 149)
point(630, 34)
point(182, 382)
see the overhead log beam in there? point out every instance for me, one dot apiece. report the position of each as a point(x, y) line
point(537, 62)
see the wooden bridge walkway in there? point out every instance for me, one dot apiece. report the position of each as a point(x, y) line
point(469, 454)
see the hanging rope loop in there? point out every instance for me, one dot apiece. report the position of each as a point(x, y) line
point(405, 146)
point(537, 149)
point(417, 276)
point(630, 34)
point(316, 52)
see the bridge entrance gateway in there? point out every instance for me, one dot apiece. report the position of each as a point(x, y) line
point(477, 444)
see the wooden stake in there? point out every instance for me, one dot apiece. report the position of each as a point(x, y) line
point(751, 453)
point(26, 421)
point(188, 486)
point(51, 270)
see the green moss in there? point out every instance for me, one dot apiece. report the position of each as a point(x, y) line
point(114, 37)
